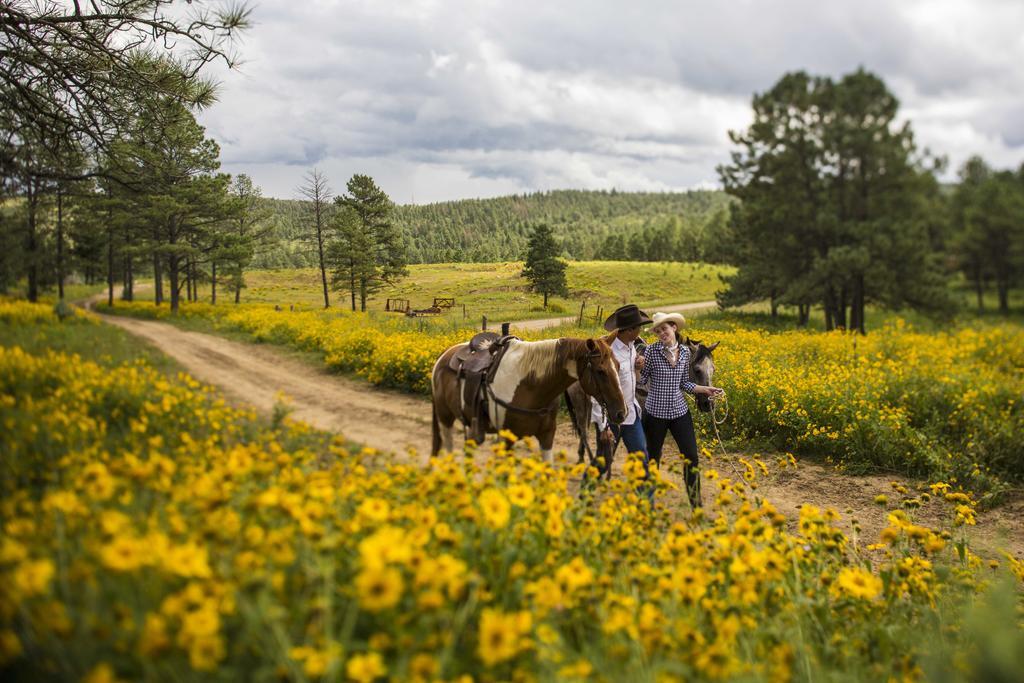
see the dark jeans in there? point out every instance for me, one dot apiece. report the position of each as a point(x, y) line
point(633, 436)
point(682, 431)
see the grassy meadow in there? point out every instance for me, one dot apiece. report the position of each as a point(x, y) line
point(152, 532)
point(498, 291)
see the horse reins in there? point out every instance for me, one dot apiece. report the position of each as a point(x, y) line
point(516, 409)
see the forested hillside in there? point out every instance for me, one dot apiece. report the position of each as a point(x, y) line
point(611, 225)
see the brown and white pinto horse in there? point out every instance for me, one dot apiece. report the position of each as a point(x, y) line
point(530, 380)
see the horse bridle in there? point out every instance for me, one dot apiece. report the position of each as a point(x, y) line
point(589, 367)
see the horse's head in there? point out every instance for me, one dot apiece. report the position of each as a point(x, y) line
point(598, 373)
point(702, 369)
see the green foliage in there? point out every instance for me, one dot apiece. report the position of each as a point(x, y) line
point(989, 233)
point(588, 223)
point(368, 252)
point(106, 345)
point(543, 268)
point(834, 207)
point(79, 72)
point(166, 199)
point(236, 242)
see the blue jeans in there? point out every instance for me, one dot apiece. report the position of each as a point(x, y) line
point(633, 436)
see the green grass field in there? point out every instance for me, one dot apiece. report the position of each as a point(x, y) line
point(499, 292)
point(106, 345)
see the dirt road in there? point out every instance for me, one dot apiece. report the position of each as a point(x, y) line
point(256, 374)
point(552, 322)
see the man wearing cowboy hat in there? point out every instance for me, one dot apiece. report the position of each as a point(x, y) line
point(624, 324)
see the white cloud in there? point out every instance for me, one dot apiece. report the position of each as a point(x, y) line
point(442, 100)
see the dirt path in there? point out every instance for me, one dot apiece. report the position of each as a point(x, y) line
point(255, 375)
point(552, 322)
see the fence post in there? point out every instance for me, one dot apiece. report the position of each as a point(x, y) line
point(464, 316)
point(579, 323)
point(484, 328)
point(504, 329)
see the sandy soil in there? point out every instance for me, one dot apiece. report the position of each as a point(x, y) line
point(391, 421)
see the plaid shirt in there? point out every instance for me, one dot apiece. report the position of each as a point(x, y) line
point(665, 400)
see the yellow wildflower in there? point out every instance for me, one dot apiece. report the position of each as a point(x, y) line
point(379, 589)
point(495, 508)
point(857, 583)
point(365, 668)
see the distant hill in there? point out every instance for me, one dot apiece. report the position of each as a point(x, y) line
point(639, 226)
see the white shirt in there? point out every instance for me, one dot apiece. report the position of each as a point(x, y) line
point(626, 355)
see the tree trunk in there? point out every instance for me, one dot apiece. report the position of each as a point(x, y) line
point(158, 281)
point(110, 261)
point(32, 243)
point(545, 299)
point(1003, 288)
point(323, 269)
point(774, 306)
point(803, 314)
point(172, 276)
point(213, 282)
point(352, 285)
point(841, 309)
point(173, 267)
point(979, 288)
point(362, 295)
point(129, 280)
point(60, 244)
point(829, 308)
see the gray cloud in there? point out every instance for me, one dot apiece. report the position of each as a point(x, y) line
point(459, 98)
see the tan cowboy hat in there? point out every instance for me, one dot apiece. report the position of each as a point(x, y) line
point(660, 318)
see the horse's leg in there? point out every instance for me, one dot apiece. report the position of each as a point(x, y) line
point(442, 435)
point(444, 392)
point(447, 436)
point(546, 438)
point(436, 442)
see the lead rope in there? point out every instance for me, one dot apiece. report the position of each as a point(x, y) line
point(722, 398)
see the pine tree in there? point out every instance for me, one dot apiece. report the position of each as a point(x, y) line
point(372, 254)
point(835, 203)
point(544, 270)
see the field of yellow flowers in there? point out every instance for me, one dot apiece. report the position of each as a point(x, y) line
point(944, 405)
point(151, 532)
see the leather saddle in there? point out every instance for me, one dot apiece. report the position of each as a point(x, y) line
point(476, 364)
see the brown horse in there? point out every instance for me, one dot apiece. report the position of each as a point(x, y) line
point(526, 388)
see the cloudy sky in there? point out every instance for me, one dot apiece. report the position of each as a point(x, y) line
point(449, 99)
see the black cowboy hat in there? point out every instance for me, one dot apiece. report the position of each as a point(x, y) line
point(626, 317)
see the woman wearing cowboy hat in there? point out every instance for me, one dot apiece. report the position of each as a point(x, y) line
point(667, 371)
